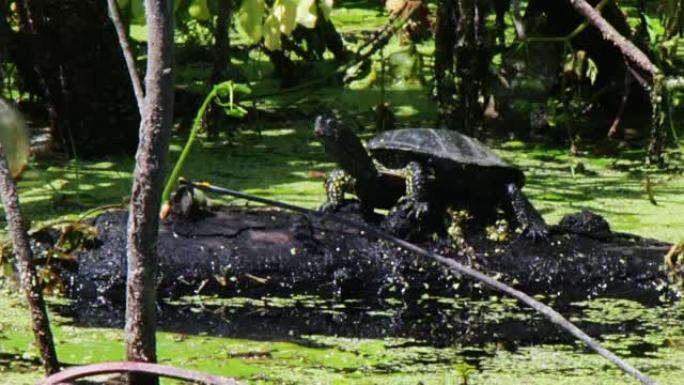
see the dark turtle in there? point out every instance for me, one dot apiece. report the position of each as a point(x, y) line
point(440, 168)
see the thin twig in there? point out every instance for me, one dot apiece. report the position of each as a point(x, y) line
point(517, 20)
point(453, 265)
point(75, 373)
point(128, 55)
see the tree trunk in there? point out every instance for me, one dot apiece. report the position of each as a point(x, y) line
point(463, 50)
point(221, 60)
point(444, 64)
point(27, 273)
point(73, 49)
point(148, 178)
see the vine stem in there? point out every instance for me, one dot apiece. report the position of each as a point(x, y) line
point(175, 173)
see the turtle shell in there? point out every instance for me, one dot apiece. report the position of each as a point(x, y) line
point(445, 147)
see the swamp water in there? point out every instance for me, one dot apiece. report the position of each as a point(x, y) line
point(312, 340)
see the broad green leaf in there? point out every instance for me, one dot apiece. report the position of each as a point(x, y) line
point(250, 18)
point(306, 13)
point(14, 138)
point(199, 10)
point(123, 3)
point(272, 33)
point(326, 8)
point(286, 13)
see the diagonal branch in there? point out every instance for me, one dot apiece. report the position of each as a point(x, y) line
point(115, 15)
point(628, 49)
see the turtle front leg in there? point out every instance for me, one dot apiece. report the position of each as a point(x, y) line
point(337, 183)
point(526, 215)
point(416, 187)
point(410, 218)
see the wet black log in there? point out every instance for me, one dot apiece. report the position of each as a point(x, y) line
point(253, 252)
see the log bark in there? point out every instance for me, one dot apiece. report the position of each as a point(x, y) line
point(27, 273)
point(148, 178)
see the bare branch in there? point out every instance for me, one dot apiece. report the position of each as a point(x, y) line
point(628, 49)
point(115, 15)
point(20, 241)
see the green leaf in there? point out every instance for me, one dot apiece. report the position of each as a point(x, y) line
point(237, 112)
point(199, 10)
point(272, 33)
point(250, 18)
point(306, 13)
point(285, 12)
point(224, 89)
point(592, 70)
point(242, 88)
point(137, 12)
point(649, 28)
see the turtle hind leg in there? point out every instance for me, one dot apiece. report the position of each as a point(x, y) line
point(337, 183)
point(526, 215)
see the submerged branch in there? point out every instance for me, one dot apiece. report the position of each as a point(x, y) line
point(75, 373)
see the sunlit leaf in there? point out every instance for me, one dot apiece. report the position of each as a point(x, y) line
point(241, 88)
point(649, 28)
point(237, 112)
point(272, 33)
point(306, 13)
point(326, 8)
point(592, 70)
point(14, 138)
point(199, 10)
point(250, 18)
point(286, 13)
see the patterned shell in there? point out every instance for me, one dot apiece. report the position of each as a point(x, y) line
point(444, 144)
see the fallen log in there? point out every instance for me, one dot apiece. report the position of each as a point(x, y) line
point(254, 252)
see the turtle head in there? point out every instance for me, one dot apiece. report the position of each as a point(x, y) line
point(327, 127)
point(344, 147)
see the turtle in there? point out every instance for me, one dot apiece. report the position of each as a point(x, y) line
point(425, 167)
